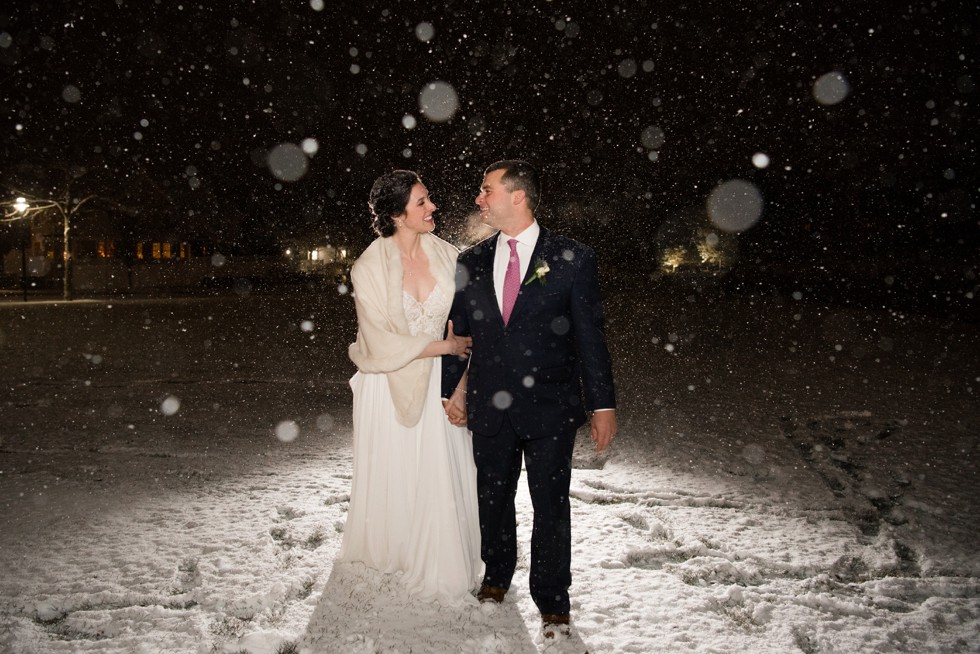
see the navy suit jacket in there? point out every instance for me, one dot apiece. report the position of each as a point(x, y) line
point(550, 363)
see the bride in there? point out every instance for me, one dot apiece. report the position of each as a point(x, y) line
point(413, 507)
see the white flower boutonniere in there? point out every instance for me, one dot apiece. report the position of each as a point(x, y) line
point(540, 270)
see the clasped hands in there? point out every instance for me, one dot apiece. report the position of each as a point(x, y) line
point(455, 406)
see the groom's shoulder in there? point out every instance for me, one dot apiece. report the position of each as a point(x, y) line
point(477, 249)
point(565, 246)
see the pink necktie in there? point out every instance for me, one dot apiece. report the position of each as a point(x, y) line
point(512, 280)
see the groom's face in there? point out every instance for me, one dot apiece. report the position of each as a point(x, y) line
point(494, 200)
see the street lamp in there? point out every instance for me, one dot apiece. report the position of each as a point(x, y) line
point(21, 206)
point(67, 262)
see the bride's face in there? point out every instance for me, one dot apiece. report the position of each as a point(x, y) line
point(418, 212)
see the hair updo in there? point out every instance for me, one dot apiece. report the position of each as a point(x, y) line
point(389, 197)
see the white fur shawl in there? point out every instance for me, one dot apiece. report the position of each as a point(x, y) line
point(384, 343)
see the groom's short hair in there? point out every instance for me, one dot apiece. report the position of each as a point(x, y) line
point(519, 175)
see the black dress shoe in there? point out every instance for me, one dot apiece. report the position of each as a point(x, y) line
point(491, 594)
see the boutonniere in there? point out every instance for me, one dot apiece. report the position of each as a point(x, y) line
point(540, 270)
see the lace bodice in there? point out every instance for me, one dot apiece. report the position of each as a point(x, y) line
point(428, 317)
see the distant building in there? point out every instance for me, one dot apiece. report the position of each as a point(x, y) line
point(104, 259)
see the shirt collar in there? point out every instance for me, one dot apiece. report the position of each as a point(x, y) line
point(528, 237)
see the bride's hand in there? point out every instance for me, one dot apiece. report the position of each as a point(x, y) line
point(458, 345)
point(455, 408)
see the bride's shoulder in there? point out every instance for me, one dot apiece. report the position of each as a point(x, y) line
point(370, 257)
point(442, 245)
point(372, 251)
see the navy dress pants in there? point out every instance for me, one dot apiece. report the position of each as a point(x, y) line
point(548, 461)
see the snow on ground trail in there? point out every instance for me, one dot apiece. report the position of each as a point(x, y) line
point(662, 562)
point(780, 508)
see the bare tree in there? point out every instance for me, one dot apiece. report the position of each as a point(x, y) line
point(70, 191)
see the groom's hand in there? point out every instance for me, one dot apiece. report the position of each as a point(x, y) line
point(603, 428)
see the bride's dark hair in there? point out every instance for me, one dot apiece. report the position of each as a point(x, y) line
point(389, 197)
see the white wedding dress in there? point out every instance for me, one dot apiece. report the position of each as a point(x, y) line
point(413, 506)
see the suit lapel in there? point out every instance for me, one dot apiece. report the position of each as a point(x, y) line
point(486, 277)
point(528, 291)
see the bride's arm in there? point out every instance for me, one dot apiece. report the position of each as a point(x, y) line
point(452, 344)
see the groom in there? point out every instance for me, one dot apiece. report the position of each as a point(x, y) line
point(530, 300)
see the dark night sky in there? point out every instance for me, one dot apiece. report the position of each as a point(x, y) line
point(157, 91)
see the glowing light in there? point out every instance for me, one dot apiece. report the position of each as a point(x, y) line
point(760, 160)
point(502, 400)
point(71, 94)
point(735, 205)
point(310, 146)
point(438, 101)
point(21, 205)
point(424, 32)
point(287, 162)
point(673, 259)
point(560, 326)
point(170, 405)
point(652, 137)
point(626, 68)
point(830, 88)
point(287, 431)
point(710, 254)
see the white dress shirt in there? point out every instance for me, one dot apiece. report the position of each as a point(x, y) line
point(526, 241)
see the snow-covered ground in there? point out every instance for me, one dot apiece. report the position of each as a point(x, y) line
point(788, 478)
